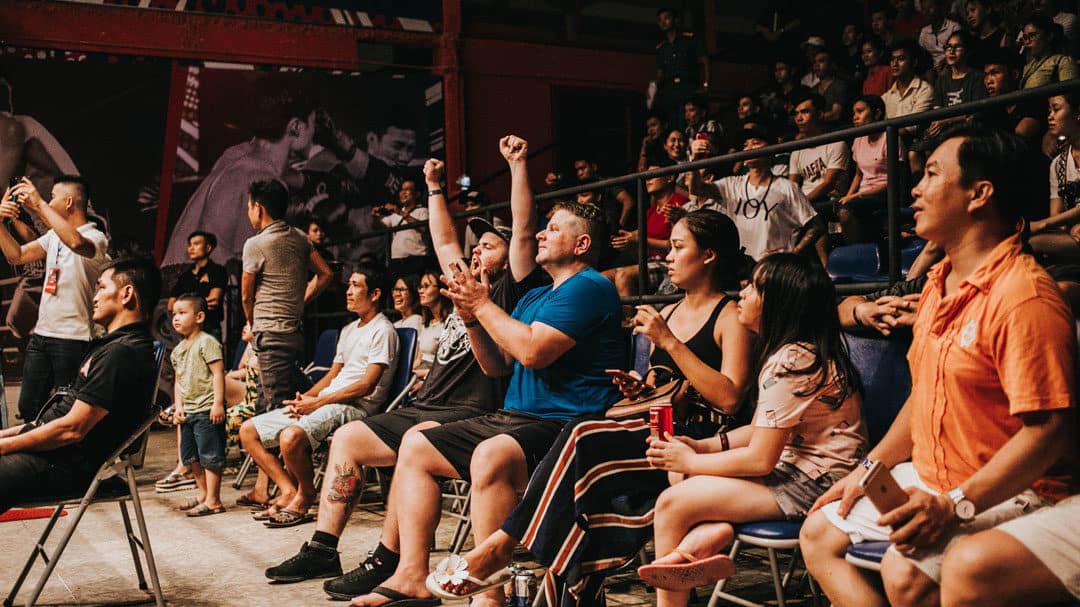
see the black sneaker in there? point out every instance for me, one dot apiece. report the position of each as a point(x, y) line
point(361, 580)
point(310, 563)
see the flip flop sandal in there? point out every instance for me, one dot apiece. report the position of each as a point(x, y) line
point(265, 514)
point(455, 569)
point(188, 505)
point(288, 518)
point(691, 574)
point(398, 599)
point(204, 510)
point(245, 501)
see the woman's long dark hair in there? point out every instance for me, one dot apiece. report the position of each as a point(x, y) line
point(716, 232)
point(799, 305)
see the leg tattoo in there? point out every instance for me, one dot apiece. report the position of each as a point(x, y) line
point(344, 487)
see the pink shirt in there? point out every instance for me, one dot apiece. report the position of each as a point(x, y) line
point(869, 156)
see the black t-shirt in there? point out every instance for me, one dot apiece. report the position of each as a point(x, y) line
point(117, 375)
point(455, 379)
point(211, 276)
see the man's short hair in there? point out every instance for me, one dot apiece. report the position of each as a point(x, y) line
point(913, 50)
point(890, 12)
point(198, 302)
point(273, 197)
point(668, 9)
point(595, 225)
point(699, 102)
point(815, 99)
point(1010, 60)
point(79, 185)
point(208, 238)
point(143, 276)
point(374, 278)
point(999, 157)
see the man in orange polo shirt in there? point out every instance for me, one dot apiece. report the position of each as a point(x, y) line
point(992, 382)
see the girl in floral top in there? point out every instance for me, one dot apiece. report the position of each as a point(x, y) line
point(807, 432)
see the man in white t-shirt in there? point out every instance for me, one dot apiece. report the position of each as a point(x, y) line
point(357, 385)
point(74, 250)
point(820, 171)
point(408, 250)
point(771, 212)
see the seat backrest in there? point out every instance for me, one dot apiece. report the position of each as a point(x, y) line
point(403, 372)
point(239, 355)
point(640, 350)
point(886, 379)
point(134, 448)
point(325, 349)
point(854, 259)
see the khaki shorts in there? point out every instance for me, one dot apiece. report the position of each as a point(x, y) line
point(1047, 535)
point(861, 526)
point(317, 425)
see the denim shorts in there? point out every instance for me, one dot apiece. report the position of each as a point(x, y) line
point(202, 441)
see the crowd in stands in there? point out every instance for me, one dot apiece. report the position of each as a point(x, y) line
point(523, 341)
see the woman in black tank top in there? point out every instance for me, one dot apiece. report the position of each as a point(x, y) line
point(596, 471)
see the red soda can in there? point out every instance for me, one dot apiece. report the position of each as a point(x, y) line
point(661, 421)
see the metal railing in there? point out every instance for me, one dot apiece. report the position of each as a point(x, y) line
point(890, 126)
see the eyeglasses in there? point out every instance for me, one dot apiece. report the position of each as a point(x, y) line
point(400, 289)
point(953, 47)
point(1028, 36)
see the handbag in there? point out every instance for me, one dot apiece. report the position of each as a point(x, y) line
point(667, 394)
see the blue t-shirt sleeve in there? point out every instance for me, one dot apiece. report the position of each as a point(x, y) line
point(575, 308)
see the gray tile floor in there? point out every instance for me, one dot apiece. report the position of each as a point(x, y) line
point(219, 560)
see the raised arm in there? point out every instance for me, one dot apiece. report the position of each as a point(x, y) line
point(15, 253)
point(68, 234)
point(444, 236)
point(522, 210)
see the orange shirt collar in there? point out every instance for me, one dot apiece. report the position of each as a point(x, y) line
point(983, 276)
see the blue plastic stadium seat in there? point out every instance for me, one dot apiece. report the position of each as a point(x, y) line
point(771, 530)
point(867, 555)
point(909, 253)
point(854, 263)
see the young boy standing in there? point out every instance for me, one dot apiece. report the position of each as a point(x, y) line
point(199, 403)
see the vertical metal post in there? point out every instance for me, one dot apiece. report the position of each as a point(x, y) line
point(642, 241)
point(892, 151)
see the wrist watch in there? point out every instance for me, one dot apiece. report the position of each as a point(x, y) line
point(964, 508)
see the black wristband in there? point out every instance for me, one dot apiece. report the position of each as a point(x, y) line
point(472, 323)
point(434, 193)
point(724, 443)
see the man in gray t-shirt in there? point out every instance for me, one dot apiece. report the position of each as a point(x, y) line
point(277, 260)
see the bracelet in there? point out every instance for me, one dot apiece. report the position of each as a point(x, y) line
point(866, 462)
point(855, 317)
point(472, 324)
point(724, 443)
point(434, 193)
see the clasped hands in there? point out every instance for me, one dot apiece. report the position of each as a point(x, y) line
point(465, 290)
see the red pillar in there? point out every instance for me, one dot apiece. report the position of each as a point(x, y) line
point(448, 65)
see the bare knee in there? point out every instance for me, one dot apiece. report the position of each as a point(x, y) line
point(294, 440)
point(249, 436)
point(905, 584)
point(415, 452)
point(966, 576)
point(819, 536)
point(496, 461)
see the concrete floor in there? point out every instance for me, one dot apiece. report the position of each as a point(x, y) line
point(219, 560)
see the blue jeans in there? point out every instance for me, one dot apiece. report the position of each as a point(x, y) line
point(49, 362)
point(202, 441)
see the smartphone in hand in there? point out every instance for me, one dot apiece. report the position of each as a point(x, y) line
point(882, 489)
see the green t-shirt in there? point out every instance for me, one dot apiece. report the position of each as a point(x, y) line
point(191, 361)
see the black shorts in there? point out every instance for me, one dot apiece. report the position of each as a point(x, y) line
point(456, 441)
point(391, 426)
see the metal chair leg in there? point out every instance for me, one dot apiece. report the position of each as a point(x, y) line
point(132, 543)
point(718, 591)
point(775, 570)
point(242, 473)
point(136, 502)
point(39, 550)
point(50, 562)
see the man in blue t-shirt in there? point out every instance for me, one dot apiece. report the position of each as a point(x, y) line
point(555, 345)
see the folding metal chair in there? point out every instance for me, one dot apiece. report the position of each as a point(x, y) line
point(404, 379)
point(325, 349)
point(114, 481)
